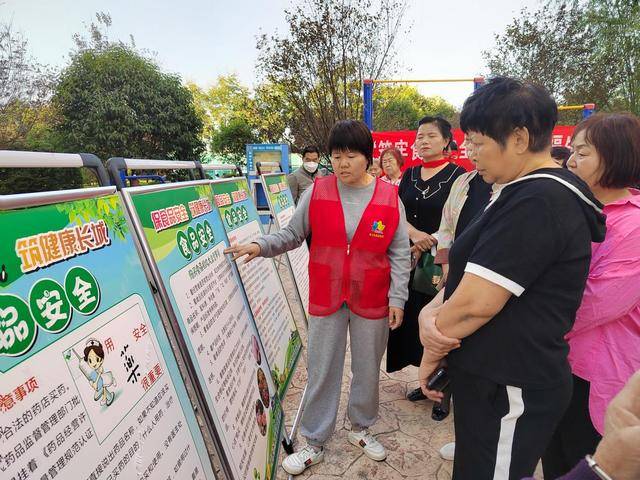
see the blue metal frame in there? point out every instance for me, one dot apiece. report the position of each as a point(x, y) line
point(283, 148)
point(253, 177)
point(367, 98)
point(367, 95)
point(588, 110)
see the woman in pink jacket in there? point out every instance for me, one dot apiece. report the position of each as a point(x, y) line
point(605, 339)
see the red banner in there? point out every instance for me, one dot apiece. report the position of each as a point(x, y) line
point(404, 140)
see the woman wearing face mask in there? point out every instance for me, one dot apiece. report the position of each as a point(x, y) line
point(358, 271)
point(303, 177)
point(392, 161)
point(605, 339)
point(423, 190)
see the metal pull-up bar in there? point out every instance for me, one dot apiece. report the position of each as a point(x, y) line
point(367, 91)
point(431, 80)
point(588, 109)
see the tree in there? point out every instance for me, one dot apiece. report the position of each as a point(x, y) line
point(26, 117)
point(331, 47)
point(225, 100)
point(273, 113)
point(231, 112)
point(25, 88)
point(616, 24)
point(401, 107)
point(230, 138)
point(21, 77)
point(582, 51)
point(115, 102)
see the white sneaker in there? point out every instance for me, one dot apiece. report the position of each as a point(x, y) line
point(296, 463)
point(372, 448)
point(448, 451)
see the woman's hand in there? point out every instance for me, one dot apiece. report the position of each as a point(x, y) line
point(395, 317)
point(252, 250)
point(421, 240)
point(432, 340)
point(624, 409)
point(416, 253)
point(443, 278)
point(428, 365)
point(619, 451)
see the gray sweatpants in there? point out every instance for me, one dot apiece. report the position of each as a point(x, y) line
point(327, 343)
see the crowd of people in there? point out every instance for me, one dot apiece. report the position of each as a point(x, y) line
point(512, 287)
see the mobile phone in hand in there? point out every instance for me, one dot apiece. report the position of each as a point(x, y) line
point(438, 380)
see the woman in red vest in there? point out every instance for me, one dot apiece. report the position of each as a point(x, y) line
point(358, 273)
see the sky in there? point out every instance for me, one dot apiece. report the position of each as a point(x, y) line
point(202, 39)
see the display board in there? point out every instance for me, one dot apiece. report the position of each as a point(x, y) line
point(185, 240)
point(262, 283)
point(89, 385)
point(282, 207)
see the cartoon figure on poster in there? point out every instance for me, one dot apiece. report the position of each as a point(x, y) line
point(91, 364)
point(113, 367)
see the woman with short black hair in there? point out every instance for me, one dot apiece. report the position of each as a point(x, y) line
point(516, 278)
point(358, 273)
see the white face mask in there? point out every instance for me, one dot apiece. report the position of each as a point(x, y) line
point(310, 167)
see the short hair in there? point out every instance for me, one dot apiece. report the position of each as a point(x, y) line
point(503, 104)
point(397, 154)
point(561, 153)
point(616, 138)
point(443, 125)
point(96, 348)
point(310, 149)
point(351, 135)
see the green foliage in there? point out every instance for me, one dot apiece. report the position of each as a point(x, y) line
point(616, 24)
point(27, 126)
point(203, 191)
point(228, 110)
point(582, 51)
point(230, 138)
point(108, 209)
point(115, 102)
point(26, 117)
point(274, 113)
point(401, 107)
point(330, 48)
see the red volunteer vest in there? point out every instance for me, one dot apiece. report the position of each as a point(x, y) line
point(358, 273)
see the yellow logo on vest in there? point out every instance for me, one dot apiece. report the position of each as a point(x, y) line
point(377, 229)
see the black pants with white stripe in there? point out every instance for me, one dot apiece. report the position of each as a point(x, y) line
point(575, 436)
point(502, 431)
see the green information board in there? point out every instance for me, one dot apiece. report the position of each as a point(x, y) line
point(186, 240)
point(89, 385)
point(262, 283)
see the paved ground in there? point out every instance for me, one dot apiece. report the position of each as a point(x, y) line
point(411, 437)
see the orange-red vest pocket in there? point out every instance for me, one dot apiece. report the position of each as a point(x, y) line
point(320, 283)
point(375, 291)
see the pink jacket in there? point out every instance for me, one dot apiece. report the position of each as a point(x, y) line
point(605, 339)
